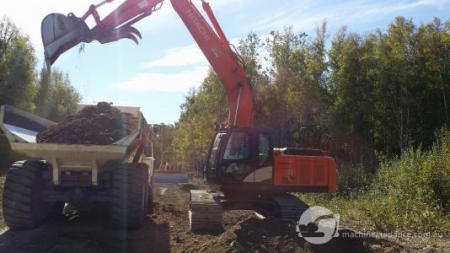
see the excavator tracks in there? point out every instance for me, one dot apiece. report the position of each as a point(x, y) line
point(290, 207)
point(205, 212)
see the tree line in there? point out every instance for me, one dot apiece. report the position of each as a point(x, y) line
point(357, 96)
point(44, 93)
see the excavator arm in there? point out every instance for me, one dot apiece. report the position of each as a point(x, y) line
point(61, 33)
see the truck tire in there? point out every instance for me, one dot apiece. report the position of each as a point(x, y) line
point(129, 196)
point(23, 207)
point(6, 153)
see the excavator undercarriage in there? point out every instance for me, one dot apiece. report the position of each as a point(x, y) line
point(205, 209)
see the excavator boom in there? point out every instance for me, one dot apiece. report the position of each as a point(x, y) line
point(61, 33)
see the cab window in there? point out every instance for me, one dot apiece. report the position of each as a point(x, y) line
point(237, 147)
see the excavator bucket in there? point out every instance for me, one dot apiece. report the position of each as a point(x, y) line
point(60, 33)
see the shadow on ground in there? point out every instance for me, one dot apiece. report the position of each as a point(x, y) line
point(91, 233)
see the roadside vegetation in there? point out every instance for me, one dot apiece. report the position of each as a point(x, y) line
point(407, 194)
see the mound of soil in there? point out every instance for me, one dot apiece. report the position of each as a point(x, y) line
point(99, 124)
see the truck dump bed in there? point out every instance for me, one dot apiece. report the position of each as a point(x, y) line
point(21, 126)
point(21, 129)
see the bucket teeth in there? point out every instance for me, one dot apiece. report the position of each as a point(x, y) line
point(106, 35)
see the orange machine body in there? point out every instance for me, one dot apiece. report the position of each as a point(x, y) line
point(304, 171)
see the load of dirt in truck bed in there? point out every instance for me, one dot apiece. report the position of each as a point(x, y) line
point(99, 124)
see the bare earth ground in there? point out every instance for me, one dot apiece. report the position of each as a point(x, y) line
point(166, 230)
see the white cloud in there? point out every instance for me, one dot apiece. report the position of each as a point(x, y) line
point(180, 56)
point(152, 81)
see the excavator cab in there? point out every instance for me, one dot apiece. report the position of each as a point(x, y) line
point(240, 155)
point(243, 159)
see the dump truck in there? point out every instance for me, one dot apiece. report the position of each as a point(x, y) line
point(54, 174)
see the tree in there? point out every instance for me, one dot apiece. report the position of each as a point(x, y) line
point(56, 98)
point(17, 62)
point(163, 150)
point(432, 71)
point(249, 50)
point(204, 108)
point(287, 55)
point(380, 91)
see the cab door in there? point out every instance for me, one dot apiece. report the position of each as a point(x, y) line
point(211, 171)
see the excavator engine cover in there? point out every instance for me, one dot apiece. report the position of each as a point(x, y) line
point(60, 33)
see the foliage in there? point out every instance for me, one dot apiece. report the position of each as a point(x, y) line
point(47, 94)
point(410, 193)
point(17, 61)
point(203, 109)
point(353, 180)
point(416, 188)
point(56, 98)
point(389, 87)
point(163, 151)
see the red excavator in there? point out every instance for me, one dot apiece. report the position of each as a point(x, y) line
point(243, 168)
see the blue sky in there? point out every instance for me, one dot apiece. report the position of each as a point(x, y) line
point(157, 74)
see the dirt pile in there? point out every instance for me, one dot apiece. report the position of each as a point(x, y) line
point(246, 233)
point(99, 124)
